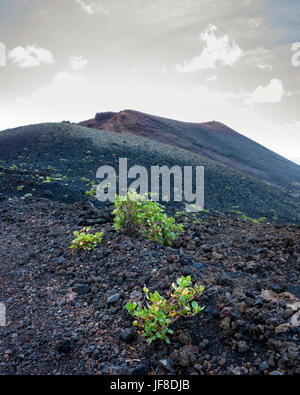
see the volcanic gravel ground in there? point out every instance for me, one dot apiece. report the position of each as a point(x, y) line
point(65, 308)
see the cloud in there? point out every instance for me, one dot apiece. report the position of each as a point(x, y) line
point(213, 77)
point(2, 55)
point(221, 50)
point(164, 69)
point(272, 93)
point(61, 99)
point(256, 22)
point(77, 62)
point(93, 8)
point(265, 67)
point(31, 56)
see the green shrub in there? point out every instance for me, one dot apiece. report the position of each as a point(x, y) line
point(47, 180)
point(28, 195)
point(91, 192)
point(135, 214)
point(85, 240)
point(160, 313)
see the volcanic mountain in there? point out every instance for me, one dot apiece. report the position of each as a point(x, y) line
point(59, 161)
point(213, 140)
point(66, 309)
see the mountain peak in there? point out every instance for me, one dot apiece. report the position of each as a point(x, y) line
point(213, 139)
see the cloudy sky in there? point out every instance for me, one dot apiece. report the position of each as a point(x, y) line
point(234, 61)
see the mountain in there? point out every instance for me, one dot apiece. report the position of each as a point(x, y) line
point(59, 161)
point(67, 306)
point(213, 140)
point(296, 160)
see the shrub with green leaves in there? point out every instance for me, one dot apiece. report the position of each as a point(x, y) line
point(85, 240)
point(135, 214)
point(159, 313)
point(91, 192)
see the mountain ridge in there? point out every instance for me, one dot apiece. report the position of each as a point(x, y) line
point(60, 160)
point(214, 140)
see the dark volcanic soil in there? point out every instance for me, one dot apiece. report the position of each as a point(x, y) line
point(61, 320)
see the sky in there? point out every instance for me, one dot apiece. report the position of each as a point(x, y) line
point(233, 61)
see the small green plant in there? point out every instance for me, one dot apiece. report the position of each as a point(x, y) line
point(47, 180)
point(85, 179)
point(159, 313)
point(195, 218)
point(20, 187)
point(28, 195)
point(275, 216)
point(85, 240)
point(262, 219)
point(135, 214)
point(91, 192)
point(205, 211)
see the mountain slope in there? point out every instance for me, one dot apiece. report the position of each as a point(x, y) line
point(59, 161)
point(212, 139)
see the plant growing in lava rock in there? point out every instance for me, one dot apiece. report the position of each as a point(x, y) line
point(85, 240)
point(136, 214)
point(159, 313)
point(91, 192)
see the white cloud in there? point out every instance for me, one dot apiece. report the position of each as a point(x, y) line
point(272, 93)
point(30, 56)
point(77, 62)
point(61, 99)
point(221, 50)
point(93, 8)
point(256, 22)
point(265, 67)
point(164, 69)
point(213, 77)
point(2, 55)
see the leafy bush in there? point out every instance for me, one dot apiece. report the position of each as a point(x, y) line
point(160, 313)
point(91, 192)
point(85, 240)
point(28, 195)
point(133, 213)
point(47, 180)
